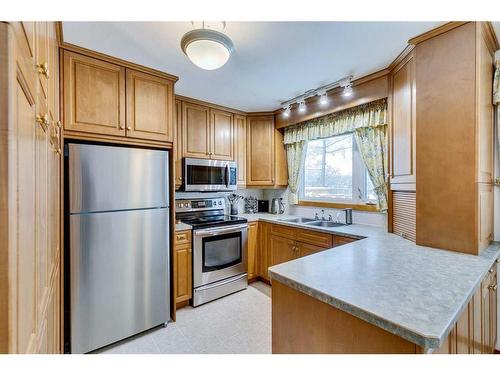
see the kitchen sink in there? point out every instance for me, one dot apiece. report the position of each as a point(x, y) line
point(300, 220)
point(324, 223)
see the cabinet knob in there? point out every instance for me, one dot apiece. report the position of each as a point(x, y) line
point(129, 128)
point(491, 270)
point(121, 127)
point(492, 287)
point(497, 261)
point(43, 69)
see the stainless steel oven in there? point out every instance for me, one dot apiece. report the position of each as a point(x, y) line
point(209, 175)
point(219, 261)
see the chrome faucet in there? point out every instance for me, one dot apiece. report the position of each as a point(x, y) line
point(316, 217)
point(330, 218)
point(322, 214)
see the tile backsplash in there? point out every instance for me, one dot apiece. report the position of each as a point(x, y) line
point(358, 217)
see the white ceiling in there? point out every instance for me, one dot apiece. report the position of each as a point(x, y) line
point(272, 61)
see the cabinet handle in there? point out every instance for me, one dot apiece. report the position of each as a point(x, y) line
point(43, 69)
point(43, 120)
point(129, 128)
point(121, 127)
point(492, 287)
point(491, 270)
point(497, 261)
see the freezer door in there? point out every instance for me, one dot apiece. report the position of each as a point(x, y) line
point(107, 178)
point(119, 275)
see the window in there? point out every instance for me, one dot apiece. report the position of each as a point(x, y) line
point(334, 172)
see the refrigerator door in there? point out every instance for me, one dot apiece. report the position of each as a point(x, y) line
point(119, 275)
point(109, 178)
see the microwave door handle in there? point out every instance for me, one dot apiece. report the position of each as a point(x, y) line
point(227, 175)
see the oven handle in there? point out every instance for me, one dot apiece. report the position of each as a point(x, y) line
point(214, 232)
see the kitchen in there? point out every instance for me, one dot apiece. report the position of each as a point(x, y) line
point(350, 209)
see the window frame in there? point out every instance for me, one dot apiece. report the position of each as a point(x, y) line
point(359, 180)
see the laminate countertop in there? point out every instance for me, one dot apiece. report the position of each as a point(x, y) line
point(415, 292)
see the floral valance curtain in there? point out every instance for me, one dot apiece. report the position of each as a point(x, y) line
point(496, 102)
point(370, 114)
point(368, 122)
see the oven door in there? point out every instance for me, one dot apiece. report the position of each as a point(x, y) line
point(219, 253)
point(209, 175)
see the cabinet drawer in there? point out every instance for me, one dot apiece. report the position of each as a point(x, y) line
point(183, 237)
point(283, 231)
point(314, 238)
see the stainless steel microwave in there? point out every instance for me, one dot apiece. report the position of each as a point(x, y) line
point(209, 175)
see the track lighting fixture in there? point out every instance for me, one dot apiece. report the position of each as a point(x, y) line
point(323, 98)
point(302, 106)
point(347, 90)
point(286, 112)
point(322, 92)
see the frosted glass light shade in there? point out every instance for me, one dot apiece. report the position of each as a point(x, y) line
point(208, 49)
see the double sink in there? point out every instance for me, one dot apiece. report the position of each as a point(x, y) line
point(314, 222)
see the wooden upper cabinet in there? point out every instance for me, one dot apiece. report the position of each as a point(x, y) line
point(240, 148)
point(94, 95)
point(260, 150)
point(195, 131)
point(150, 106)
point(403, 125)
point(222, 135)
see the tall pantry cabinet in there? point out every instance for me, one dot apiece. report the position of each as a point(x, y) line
point(29, 189)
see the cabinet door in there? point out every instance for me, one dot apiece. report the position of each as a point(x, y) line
point(94, 95)
point(240, 145)
point(150, 106)
point(403, 126)
point(178, 144)
point(307, 249)
point(493, 310)
point(252, 250)
point(260, 151)
point(24, 342)
point(485, 316)
point(195, 131)
point(264, 250)
point(282, 250)
point(183, 277)
point(222, 135)
point(43, 61)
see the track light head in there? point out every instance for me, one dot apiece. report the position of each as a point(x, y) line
point(302, 106)
point(286, 112)
point(323, 98)
point(347, 90)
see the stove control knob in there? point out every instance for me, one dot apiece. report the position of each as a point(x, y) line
point(186, 205)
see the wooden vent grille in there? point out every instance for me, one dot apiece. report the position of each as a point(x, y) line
point(404, 214)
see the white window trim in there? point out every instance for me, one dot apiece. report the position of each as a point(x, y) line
point(359, 180)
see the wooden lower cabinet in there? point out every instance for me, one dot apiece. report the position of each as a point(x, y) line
point(282, 243)
point(183, 278)
point(475, 331)
point(252, 250)
point(282, 249)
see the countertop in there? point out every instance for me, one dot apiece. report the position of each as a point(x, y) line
point(182, 226)
point(415, 292)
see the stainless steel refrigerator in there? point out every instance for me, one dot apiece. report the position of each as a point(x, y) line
point(119, 243)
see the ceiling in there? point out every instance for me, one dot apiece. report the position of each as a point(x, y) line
point(272, 61)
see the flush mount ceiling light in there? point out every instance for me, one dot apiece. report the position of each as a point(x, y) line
point(206, 48)
point(322, 92)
